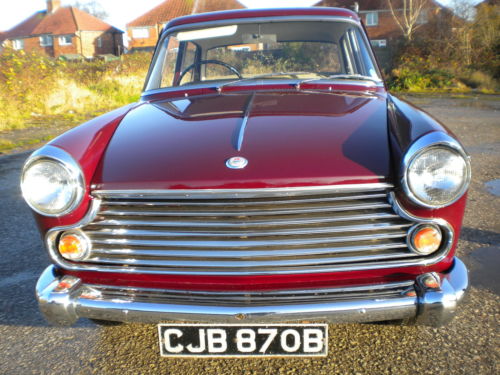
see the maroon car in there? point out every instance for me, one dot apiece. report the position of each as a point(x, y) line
point(266, 175)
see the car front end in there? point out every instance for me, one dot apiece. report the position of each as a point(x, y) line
point(254, 197)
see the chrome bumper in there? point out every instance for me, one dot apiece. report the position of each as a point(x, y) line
point(430, 300)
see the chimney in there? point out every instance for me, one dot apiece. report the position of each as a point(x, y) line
point(53, 5)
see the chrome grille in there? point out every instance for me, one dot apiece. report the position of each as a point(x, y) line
point(248, 298)
point(240, 232)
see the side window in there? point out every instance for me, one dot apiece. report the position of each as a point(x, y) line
point(349, 62)
point(368, 67)
point(189, 58)
point(356, 56)
point(169, 63)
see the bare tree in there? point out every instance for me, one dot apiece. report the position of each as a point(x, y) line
point(486, 38)
point(407, 14)
point(92, 7)
point(464, 13)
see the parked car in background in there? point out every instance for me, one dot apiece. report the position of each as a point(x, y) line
point(266, 175)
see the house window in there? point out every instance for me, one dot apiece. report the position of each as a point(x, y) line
point(46, 41)
point(371, 19)
point(99, 42)
point(140, 33)
point(381, 43)
point(18, 44)
point(65, 40)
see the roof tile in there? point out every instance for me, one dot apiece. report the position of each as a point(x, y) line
point(170, 9)
point(164, 12)
point(65, 20)
point(69, 20)
point(204, 6)
point(87, 22)
point(26, 27)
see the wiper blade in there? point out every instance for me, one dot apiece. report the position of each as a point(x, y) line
point(354, 76)
point(338, 76)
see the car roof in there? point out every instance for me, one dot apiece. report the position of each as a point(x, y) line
point(258, 13)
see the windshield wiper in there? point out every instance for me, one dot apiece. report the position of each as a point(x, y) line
point(270, 75)
point(359, 77)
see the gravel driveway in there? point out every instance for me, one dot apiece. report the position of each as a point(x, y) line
point(468, 345)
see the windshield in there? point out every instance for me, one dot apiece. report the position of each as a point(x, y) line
point(279, 50)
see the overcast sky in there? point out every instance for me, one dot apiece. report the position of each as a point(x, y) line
point(120, 11)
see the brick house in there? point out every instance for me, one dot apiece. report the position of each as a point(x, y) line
point(378, 20)
point(143, 32)
point(61, 31)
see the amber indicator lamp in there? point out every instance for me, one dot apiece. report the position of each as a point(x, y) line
point(73, 246)
point(426, 239)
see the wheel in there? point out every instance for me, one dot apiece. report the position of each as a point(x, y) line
point(204, 62)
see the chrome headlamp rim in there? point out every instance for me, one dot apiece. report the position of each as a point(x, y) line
point(425, 143)
point(57, 155)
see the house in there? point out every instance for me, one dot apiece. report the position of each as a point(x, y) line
point(378, 19)
point(59, 31)
point(143, 32)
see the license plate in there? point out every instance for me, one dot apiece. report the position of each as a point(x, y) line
point(248, 340)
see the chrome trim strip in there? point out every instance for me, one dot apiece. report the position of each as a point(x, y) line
point(228, 244)
point(273, 222)
point(245, 296)
point(248, 253)
point(249, 212)
point(53, 153)
point(427, 141)
point(260, 233)
point(446, 228)
point(220, 266)
point(241, 130)
point(246, 203)
point(367, 93)
point(432, 307)
point(240, 193)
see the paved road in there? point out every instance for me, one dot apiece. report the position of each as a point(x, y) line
point(469, 345)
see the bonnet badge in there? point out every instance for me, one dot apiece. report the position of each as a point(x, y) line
point(236, 162)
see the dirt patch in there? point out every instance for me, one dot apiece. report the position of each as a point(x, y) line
point(40, 130)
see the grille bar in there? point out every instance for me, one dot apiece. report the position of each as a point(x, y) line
point(202, 232)
point(246, 253)
point(277, 232)
point(242, 202)
point(145, 221)
point(223, 244)
point(251, 298)
point(181, 211)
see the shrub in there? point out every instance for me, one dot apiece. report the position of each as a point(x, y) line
point(32, 84)
point(418, 74)
point(482, 81)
